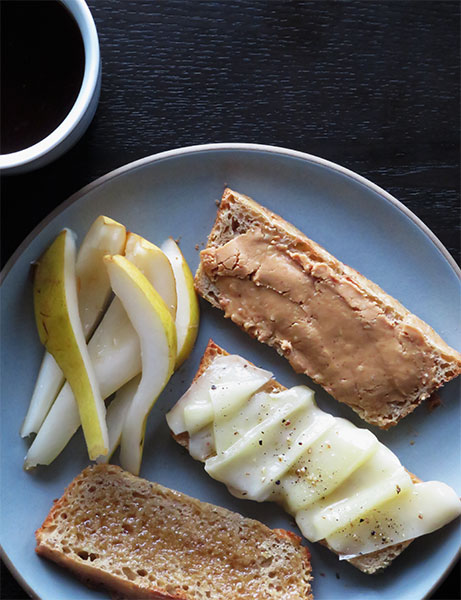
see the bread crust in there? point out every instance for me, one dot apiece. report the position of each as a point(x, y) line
point(370, 563)
point(98, 578)
point(68, 538)
point(239, 214)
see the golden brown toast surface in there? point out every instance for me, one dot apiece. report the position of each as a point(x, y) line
point(142, 540)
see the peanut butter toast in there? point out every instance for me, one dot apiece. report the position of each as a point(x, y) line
point(331, 323)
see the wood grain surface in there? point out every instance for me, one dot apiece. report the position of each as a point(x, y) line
point(371, 85)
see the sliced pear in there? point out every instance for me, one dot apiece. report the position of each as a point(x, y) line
point(154, 264)
point(114, 350)
point(155, 327)
point(105, 236)
point(116, 356)
point(115, 353)
point(61, 332)
point(188, 314)
point(49, 381)
point(116, 413)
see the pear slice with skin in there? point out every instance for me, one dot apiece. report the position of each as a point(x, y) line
point(105, 236)
point(154, 264)
point(188, 313)
point(60, 331)
point(155, 327)
point(116, 356)
point(115, 353)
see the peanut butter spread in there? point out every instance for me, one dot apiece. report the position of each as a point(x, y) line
point(321, 322)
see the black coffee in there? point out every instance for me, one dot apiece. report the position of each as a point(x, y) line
point(42, 64)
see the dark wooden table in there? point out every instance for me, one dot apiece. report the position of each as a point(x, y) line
point(373, 86)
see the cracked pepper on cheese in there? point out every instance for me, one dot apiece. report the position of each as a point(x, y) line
point(331, 323)
point(265, 442)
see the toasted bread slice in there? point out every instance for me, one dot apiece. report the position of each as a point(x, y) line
point(142, 540)
point(368, 563)
point(360, 344)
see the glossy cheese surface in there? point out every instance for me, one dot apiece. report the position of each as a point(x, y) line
point(338, 481)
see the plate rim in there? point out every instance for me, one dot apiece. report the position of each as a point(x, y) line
point(166, 154)
point(210, 147)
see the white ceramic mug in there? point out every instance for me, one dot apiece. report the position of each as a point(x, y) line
point(70, 130)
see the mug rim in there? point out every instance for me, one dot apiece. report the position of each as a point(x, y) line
point(81, 13)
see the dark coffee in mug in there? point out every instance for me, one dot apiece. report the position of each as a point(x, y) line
point(42, 66)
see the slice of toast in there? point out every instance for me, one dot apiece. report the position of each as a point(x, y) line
point(368, 563)
point(342, 330)
point(141, 540)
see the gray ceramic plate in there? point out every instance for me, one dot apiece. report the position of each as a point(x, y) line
point(174, 193)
